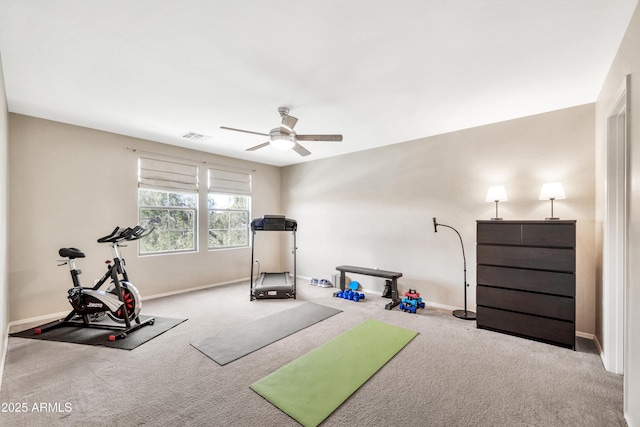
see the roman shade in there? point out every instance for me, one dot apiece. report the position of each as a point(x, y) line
point(167, 175)
point(229, 182)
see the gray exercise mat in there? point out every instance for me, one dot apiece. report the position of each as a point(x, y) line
point(237, 342)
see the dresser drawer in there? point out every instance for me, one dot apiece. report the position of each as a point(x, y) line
point(556, 259)
point(548, 282)
point(556, 307)
point(556, 331)
point(499, 233)
point(551, 234)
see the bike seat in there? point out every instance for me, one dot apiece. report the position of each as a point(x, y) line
point(71, 253)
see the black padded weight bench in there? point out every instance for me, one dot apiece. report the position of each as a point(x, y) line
point(390, 275)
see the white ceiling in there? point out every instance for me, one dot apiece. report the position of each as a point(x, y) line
point(377, 71)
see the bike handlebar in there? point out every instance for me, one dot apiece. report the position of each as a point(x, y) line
point(138, 232)
point(120, 234)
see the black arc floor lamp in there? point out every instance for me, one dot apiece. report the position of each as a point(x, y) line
point(461, 314)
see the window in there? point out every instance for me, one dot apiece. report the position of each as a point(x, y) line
point(228, 221)
point(229, 203)
point(173, 216)
point(168, 201)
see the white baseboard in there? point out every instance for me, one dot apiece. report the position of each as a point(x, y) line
point(585, 335)
point(598, 346)
point(39, 319)
point(593, 338)
point(197, 288)
point(628, 420)
point(443, 306)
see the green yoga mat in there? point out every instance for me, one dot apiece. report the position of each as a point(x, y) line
point(311, 387)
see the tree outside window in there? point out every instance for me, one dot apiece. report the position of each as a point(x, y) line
point(173, 216)
point(228, 220)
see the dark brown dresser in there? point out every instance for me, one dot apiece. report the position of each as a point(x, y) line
point(526, 283)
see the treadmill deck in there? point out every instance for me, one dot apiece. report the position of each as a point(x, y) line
point(274, 285)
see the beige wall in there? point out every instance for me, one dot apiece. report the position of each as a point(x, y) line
point(70, 185)
point(627, 62)
point(374, 208)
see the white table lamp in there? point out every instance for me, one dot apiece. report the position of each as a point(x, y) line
point(552, 191)
point(496, 194)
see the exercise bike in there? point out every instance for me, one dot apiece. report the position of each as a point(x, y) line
point(121, 301)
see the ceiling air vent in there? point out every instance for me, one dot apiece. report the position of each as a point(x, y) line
point(193, 136)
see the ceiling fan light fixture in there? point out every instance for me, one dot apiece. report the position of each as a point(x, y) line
point(284, 138)
point(282, 142)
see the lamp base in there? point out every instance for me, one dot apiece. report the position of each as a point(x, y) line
point(496, 219)
point(466, 315)
point(552, 219)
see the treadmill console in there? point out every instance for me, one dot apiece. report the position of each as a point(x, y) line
point(274, 223)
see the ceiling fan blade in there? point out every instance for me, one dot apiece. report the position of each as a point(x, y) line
point(288, 122)
point(245, 131)
point(301, 150)
point(264, 144)
point(331, 138)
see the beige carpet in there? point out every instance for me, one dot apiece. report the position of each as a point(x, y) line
point(451, 374)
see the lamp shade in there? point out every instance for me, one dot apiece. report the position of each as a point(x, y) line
point(552, 190)
point(496, 194)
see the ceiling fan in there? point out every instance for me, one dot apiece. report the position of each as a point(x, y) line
point(284, 137)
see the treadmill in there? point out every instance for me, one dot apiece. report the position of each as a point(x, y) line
point(273, 285)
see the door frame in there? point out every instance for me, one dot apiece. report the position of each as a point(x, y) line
point(615, 262)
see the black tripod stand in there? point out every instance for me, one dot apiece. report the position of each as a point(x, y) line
point(462, 314)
